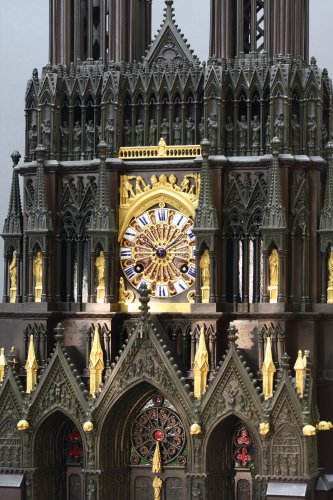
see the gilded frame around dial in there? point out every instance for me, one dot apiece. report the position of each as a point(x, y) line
point(157, 248)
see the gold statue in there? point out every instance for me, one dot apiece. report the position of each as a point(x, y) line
point(31, 367)
point(273, 275)
point(125, 296)
point(201, 366)
point(38, 274)
point(96, 364)
point(3, 364)
point(157, 485)
point(300, 370)
point(100, 272)
point(157, 460)
point(330, 279)
point(205, 276)
point(268, 370)
point(13, 277)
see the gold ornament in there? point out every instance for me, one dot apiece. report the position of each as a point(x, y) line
point(201, 366)
point(324, 426)
point(31, 367)
point(264, 428)
point(157, 485)
point(205, 277)
point(23, 425)
point(309, 430)
point(88, 426)
point(268, 370)
point(96, 364)
point(100, 271)
point(38, 274)
point(13, 277)
point(195, 429)
point(157, 461)
point(300, 370)
point(3, 364)
point(273, 275)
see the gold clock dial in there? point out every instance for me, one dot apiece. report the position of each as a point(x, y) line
point(158, 249)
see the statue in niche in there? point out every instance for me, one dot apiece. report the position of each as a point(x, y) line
point(90, 139)
point(202, 129)
point(157, 485)
point(100, 269)
point(255, 126)
point(268, 133)
point(295, 133)
point(311, 127)
point(205, 268)
point(165, 129)
point(139, 129)
point(242, 134)
point(229, 134)
point(127, 133)
point(13, 270)
point(177, 131)
point(46, 134)
point(64, 130)
point(189, 130)
point(273, 275)
point(77, 140)
point(109, 133)
point(279, 126)
point(32, 139)
point(38, 274)
point(212, 130)
point(330, 279)
point(152, 132)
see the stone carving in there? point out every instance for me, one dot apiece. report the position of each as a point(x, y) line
point(268, 133)
point(32, 140)
point(165, 130)
point(139, 129)
point(127, 131)
point(189, 130)
point(91, 490)
point(201, 129)
point(46, 134)
point(279, 126)
point(295, 134)
point(77, 141)
point(311, 131)
point(90, 139)
point(177, 131)
point(229, 136)
point(242, 135)
point(212, 131)
point(255, 127)
point(152, 132)
point(109, 133)
point(286, 453)
point(64, 131)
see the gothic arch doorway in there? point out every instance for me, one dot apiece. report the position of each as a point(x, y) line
point(58, 458)
point(141, 419)
point(231, 461)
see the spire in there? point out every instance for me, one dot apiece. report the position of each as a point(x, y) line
point(326, 216)
point(102, 217)
point(13, 221)
point(39, 218)
point(96, 364)
point(205, 214)
point(157, 460)
point(274, 214)
point(31, 366)
point(268, 370)
point(201, 366)
point(143, 325)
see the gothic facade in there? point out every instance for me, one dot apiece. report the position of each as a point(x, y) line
point(167, 303)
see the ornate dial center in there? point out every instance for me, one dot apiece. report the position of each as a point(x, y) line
point(161, 253)
point(158, 435)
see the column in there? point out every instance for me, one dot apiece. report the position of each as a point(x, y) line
point(5, 280)
point(198, 277)
point(107, 277)
point(30, 278)
point(265, 296)
point(91, 290)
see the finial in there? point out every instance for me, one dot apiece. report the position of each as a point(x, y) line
point(31, 367)
point(276, 146)
point(329, 148)
point(201, 366)
point(96, 364)
point(102, 148)
point(268, 370)
point(40, 152)
point(15, 156)
point(11, 357)
point(144, 299)
point(285, 361)
point(205, 144)
point(157, 460)
point(59, 333)
point(232, 335)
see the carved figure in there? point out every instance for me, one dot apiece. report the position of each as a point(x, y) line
point(77, 139)
point(295, 133)
point(124, 295)
point(274, 268)
point(242, 134)
point(165, 129)
point(324, 135)
point(177, 131)
point(205, 268)
point(212, 130)
point(279, 126)
point(46, 134)
point(152, 132)
point(162, 148)
point(90, 138)
point(13, 271)
point(157, 485)
point(268, 133)
point(189, 130)
point(127, 133)
point(139, 132)
point(64, 130)
point(311, 131)
point(229, 134)
point(202, 129)
point(32, 139)
point(100, 268)
point(38, 269)
point(109, 133)
point(255, 126)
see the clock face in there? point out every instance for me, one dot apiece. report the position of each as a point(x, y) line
point(157, 249)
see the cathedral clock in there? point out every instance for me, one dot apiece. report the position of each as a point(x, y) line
point(157, 248)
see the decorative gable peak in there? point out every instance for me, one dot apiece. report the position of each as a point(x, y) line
point(170, 47)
